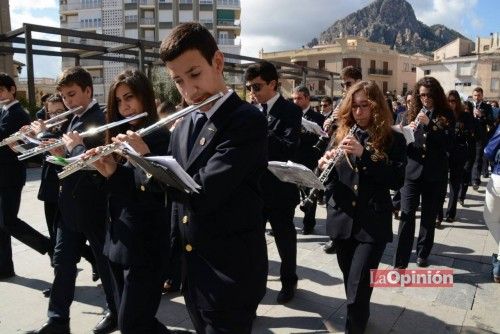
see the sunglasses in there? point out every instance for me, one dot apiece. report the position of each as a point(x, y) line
point(254, 87)
point(346, 84)
point(425, 95)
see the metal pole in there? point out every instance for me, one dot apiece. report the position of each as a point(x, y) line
point(244, 87)
point(332, 83)
point(304, 76)
point(140, 57)
point(77, 61)
point(29, 65)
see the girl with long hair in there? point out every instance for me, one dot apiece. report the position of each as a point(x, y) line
point(432, 120)
point(139, 221)
point(359, 208)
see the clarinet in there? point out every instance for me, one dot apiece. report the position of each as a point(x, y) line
point(307, 202)
point(417, 121)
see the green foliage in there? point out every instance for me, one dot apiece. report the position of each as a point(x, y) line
point(164, 87)
point(32, 108)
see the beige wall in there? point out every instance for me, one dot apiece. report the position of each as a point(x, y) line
point(353, 47)
point(466, 73)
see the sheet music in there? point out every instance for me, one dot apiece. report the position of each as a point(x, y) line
point(313, 127)
point(407, 132)
point(165, 168)
point(172, 164)
point(295, 173)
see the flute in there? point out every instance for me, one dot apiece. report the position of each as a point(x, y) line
point(90, 132)
point(51, 122)
point(110, 148)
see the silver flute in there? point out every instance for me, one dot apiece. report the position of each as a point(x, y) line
point(307, 202)
point(49, 123)
point(110, 148)
point(90, 132)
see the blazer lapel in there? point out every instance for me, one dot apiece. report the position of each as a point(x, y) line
point(183, 131)
point(206, 135)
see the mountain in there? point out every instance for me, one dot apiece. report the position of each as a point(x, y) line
point(391, 22)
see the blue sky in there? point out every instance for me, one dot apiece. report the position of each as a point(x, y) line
point(291, 25)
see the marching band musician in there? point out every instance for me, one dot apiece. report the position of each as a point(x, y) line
point(224, 252)
point(49, 182)
point(83, 208)
point(280, 198)
point(307, 154)
point(359, 208)
point(12, 180)
point(462, 148)
point(139, 223)
point(432, 120)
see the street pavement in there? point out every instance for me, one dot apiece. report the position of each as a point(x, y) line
point(470, 306)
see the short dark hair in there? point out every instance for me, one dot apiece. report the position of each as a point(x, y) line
point(302, 89)
point(7, 82)
point(75, 75)
point(266, 70)
point(478, 89)
point(327, 99)
point(351, 72)
point(188, 36)
point(44, 97)
point(54, 98)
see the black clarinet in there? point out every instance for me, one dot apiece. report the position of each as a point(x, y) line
point(307, 202)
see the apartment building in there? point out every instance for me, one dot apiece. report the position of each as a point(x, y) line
point(463, 65)
point(145, 19)
point(391, 70)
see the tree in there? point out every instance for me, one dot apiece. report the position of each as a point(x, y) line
point(164, 86)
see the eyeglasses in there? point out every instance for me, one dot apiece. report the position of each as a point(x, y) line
point(254, 87)
point(363, 106)
point(425, 95)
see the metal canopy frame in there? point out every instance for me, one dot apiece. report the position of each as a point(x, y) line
point(126, 50)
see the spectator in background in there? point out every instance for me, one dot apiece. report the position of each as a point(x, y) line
point(492, 199)
point(42, 113)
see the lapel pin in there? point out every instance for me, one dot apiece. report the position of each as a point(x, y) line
point(202, 141)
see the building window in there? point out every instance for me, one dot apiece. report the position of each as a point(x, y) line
point(495, 67)
point(186, 1)
point(495, 85)
point(406, 67)
point(405, 88)
point(206, 2)
point(385, 86)
point(373, 64)
point(427, 72)
point(486, 47)
point(321, 64)
point(356, 62)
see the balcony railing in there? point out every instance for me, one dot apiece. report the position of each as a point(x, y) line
point(148, 20)
point(81, 5)
point(230, 23)
point(85, 41)
point(149, 38)
point(131, 19)
point(379, 71)
point(228, 41)
point(230, 3)
point(90, 62)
